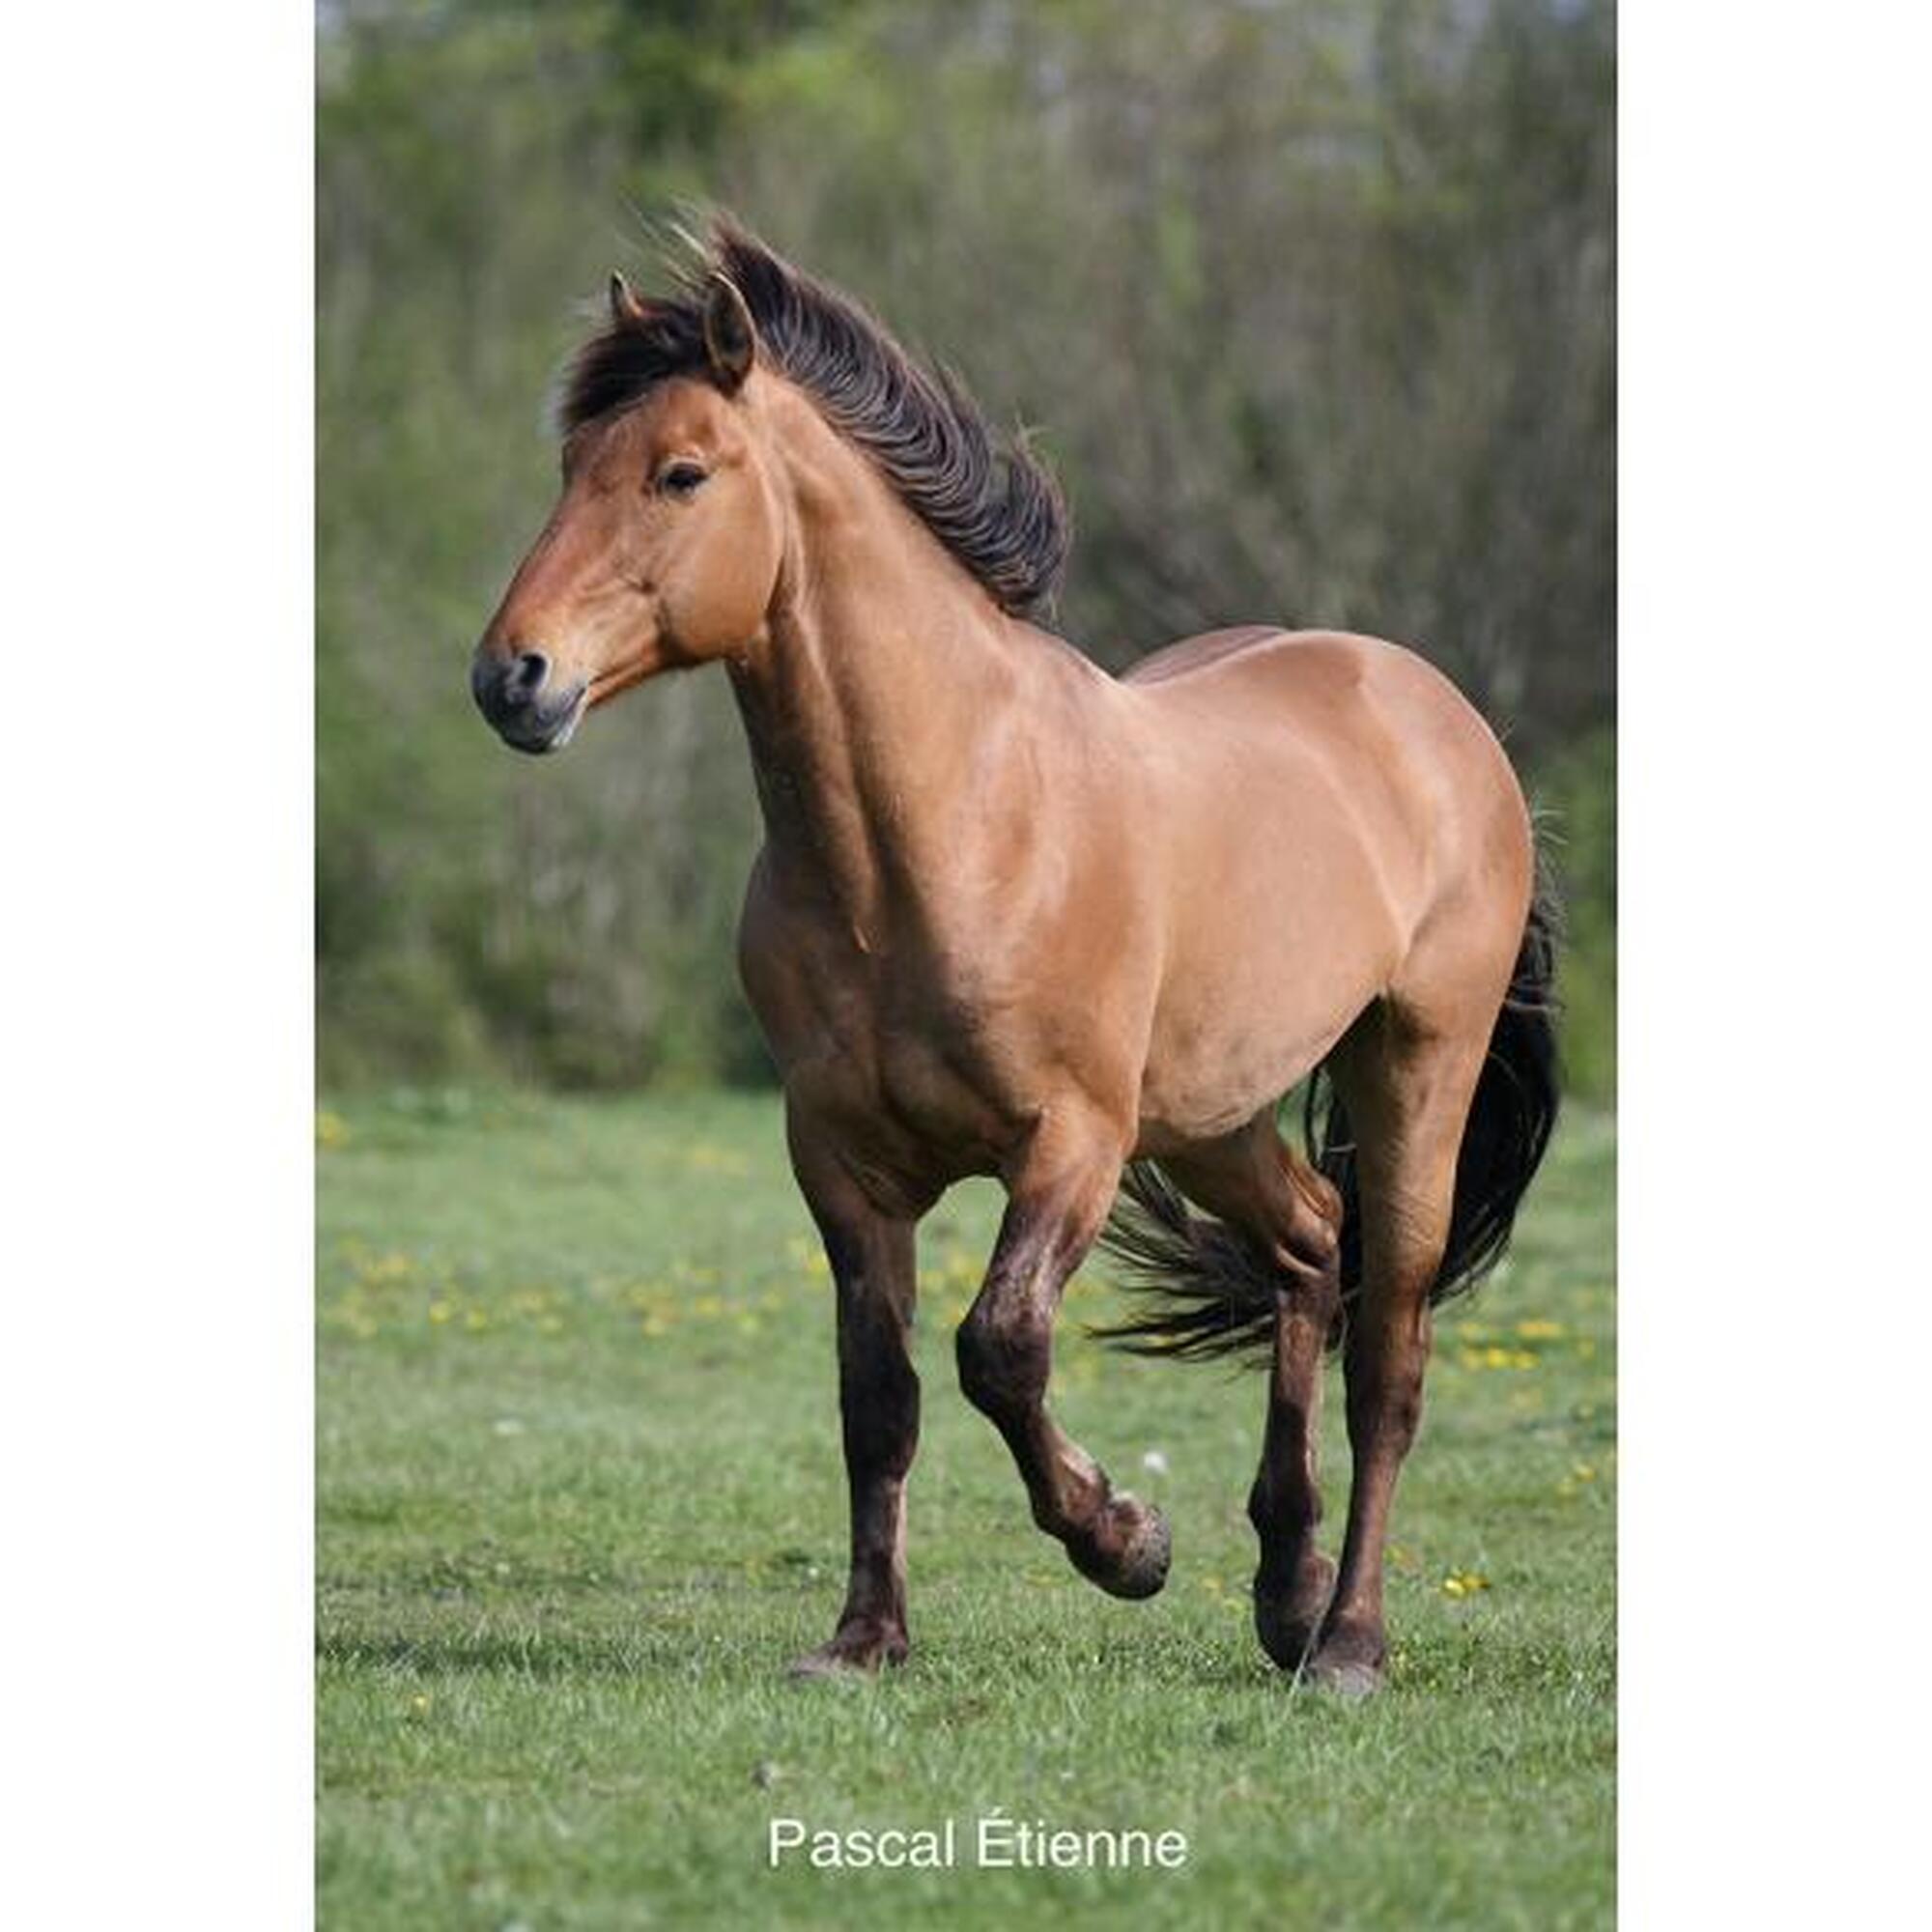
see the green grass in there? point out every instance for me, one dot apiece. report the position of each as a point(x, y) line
point(579, 1501)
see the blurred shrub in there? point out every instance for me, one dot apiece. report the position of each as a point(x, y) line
point(1576, 797)
point(1309, 302)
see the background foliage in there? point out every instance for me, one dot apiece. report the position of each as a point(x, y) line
point(1309, 302)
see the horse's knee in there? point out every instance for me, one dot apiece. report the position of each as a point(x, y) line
point(880, 1412)
point(1005, 1356)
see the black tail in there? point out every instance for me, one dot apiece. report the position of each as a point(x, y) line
point(1209, 1291)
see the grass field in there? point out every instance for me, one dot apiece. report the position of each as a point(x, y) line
point(579, 1501)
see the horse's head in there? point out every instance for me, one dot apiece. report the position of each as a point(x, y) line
point(665, 544)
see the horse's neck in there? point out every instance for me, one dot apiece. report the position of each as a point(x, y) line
point(885, 686)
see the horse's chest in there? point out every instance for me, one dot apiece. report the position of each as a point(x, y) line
point(943, 1064)
point(915, 1071)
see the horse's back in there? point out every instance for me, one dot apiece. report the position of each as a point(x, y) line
point(1372, 716)
point(1196, 653)
point(1232, 667)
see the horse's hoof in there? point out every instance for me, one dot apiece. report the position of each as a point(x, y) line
point(858, 1652)
point(1288, 1622)
point(1350, 1682)
point(1132, 1561)
point(1347, 1664)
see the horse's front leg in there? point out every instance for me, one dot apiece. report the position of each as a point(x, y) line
point(874, 1271)
point(1056, 1207)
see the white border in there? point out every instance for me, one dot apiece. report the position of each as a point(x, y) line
point(156, 791)
point(1775, 332)
point(156, 788)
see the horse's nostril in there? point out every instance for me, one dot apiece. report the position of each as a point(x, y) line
point(507, 688)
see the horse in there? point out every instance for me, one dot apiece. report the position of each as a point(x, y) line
point(1016, 916)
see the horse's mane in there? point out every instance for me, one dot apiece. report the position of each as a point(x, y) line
point(989, 500)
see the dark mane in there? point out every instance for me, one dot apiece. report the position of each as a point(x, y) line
point(989, 500)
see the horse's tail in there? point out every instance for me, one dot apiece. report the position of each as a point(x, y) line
point(1206, 1289)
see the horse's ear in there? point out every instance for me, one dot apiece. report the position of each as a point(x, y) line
point(730, 340)
point(626, 310)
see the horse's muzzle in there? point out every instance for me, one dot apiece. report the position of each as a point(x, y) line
point(514, 693)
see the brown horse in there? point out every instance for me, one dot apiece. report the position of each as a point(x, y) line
point(1016, 916)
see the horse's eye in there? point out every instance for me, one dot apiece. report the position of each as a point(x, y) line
point(681, 479)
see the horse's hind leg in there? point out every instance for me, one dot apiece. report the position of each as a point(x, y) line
point(1261, 1186)
point(1407, 1091)
point(1057, 1202)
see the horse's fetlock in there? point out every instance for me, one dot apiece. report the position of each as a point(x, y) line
point(1274, 1515)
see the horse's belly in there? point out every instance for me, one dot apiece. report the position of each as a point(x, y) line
point(1197, 1089)
point(1234, 1030)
